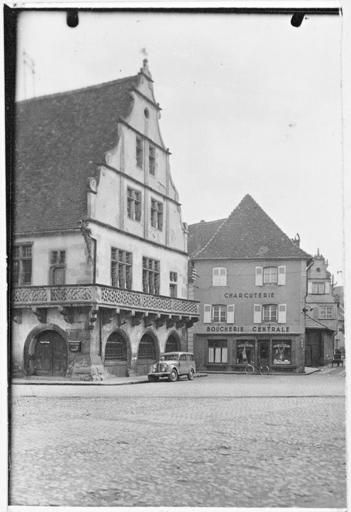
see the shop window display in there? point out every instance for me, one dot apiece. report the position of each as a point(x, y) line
point(281, 352)
point(245, 352)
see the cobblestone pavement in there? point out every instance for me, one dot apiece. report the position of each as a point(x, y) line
point(199, 443)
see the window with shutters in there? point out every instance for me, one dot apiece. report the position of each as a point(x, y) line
point(318, 288)
point(152, 160)
point(219, 276)
point(173, 277)
point(270, 312)
point(270, 275)
point(57, 267)
point(134, 204)
point(151, 276)
point(22, 264)
point(219, 313)
point(156, 214)
point(217, 351)
point(121, 269)
point(139, 152)
point(281, 352)
point(326, 312)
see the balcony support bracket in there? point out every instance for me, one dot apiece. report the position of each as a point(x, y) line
point(41, 314)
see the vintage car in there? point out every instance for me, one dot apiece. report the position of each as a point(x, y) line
point(172, 365)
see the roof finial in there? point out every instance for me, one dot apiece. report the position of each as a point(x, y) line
point(145, 68)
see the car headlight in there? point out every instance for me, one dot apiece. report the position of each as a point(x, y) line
point(153, 368)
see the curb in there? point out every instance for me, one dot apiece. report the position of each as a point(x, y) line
point(24, 382)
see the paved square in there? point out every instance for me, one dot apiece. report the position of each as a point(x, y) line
point(224, 440)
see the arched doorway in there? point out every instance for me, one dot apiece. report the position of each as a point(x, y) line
point(173, 343)
point(148, 353)
point(117, 354)
point(49, 357)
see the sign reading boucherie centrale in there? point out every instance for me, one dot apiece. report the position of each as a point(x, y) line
point(250, 328)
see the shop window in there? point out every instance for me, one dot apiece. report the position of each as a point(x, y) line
point(139, 152)
point(121, 269)
point(152, 160)
point(134, 204)
point(219, 276)
point(22, 264)
point(156, 214)
point(217, 351)
point(281, 352)
point(173, 277)
point(326, 312)
point(270, 275)
point(151, 276)
point(219, 313)
point(57, 267)
point(270, 312)
point(245, 353)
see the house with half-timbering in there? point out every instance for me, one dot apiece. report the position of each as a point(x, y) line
point(99, 255)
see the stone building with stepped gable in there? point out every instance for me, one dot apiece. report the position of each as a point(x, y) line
point(321, 312)
point(250, 279)
point(99, 265)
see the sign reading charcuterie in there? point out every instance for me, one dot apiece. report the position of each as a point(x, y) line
point(247, 295)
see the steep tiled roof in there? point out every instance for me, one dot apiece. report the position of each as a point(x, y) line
point(59, 138)
point(248, 233)
point(200, 233)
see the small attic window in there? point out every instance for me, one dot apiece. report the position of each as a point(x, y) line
point(318, 269)
point(146, 113)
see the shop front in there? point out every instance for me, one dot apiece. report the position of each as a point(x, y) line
point(233, 353)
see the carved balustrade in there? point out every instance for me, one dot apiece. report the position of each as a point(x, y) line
point(101, 295)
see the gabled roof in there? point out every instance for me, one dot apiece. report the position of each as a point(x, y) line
point(200, 233)
point(248, 233)
point(59, 138)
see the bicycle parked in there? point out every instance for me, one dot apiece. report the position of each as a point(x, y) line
point(262, 369)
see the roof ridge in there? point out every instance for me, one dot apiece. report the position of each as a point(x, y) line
point(80, 89)
point(207, 222)
point(210, 239)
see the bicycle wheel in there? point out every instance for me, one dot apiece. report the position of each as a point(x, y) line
point(249, 369)
point(264, 370)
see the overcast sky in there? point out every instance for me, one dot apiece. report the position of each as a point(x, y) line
point(250, 105)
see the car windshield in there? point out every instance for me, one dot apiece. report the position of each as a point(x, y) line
point(170, 357)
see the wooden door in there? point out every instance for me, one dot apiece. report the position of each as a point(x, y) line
point(263, 352)
point(50, 356)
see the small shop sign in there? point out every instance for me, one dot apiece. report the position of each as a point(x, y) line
point(74, 346)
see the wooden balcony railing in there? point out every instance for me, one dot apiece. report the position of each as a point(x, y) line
point(108, 296)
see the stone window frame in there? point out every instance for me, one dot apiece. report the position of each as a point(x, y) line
point(121, 268)
point(22, 264)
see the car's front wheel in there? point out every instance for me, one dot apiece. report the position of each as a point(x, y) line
point(191, 374)
point(173, 376)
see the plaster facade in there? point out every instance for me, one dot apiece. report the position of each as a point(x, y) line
point(240, 325)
